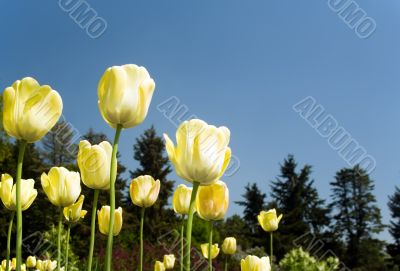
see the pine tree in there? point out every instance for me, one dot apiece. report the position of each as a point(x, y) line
point(394, 228)
point(357, 218)
point(295, 196)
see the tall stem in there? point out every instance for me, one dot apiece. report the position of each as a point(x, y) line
point(182, 230)
point(271, 248)
point(9, 241)
point(210, 240)
point(226, 262)
point(60, 220)
point(141, 238)
point(22, 146)
point(93, 229)
point(189, 225)
point(67, 247)
point(113, 177)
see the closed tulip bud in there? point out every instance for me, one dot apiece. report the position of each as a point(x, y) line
point(103, 216)
point(50, 265)
point(30, 110)
point(13, 263)
point(125, 94)
point(94, 163)
point(212, 201)
point(268, 220)
point(181, 199)
point(144, 191)
point(159, 266)
point(31, 262)
point(229, 246)
point(169, 261)
point(4, 264)
point(8, 193)
point(40, 265)
point(253, 263)
point(74, 212)
point(214, 250)
point(61, 186)
point(202, 153)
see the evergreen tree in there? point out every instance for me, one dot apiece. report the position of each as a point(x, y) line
point(394, 228)
point(357, 218)
point(295, 196)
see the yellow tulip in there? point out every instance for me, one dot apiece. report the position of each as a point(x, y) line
point(169, 261)
point(94, 163)
point(212, 201)
point(253, 263)
point(61, 186)
point(4, 264)
point(103, 216)
point(202, 153)
point(144, 191)
point(268, 220)
point(13, 263)
point(229, 246)
point(125, 94)
point(30, 110)
point(40, 265)
point(50, 265)
point(31, 262)
point(181, 199)
point(214, 250)
point(8, 192)
point(74, 212)
point(159, 266)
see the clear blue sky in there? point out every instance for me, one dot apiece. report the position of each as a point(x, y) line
point(237, 63)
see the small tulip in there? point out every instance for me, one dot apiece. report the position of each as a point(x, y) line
point(4, 264)
point(229, 246)
point(61, 186)
point(159, 266)
point(144, 191)
point(181, 199)
point(253, 263)
point(50, 265)
point(202, 153)
point(268, 220)
point(214, 250)
point(94, 163)
point(125, 94)
point(31, 262)
point(13, 263)
point(103, 216)
point(169, 261)
point(212, 201)
point(74, 212)
point(30, 110)
point(40, 265)
point(8, 193)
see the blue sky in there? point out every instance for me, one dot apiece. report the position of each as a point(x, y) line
point(233, 63)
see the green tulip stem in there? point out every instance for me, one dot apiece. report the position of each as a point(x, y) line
point(113, 177)
point(210, 240)
point(189, 225)
point(67, 247)
point(271, 247)
point(141, 238)
point(9, 241)
point(182, 230)
point(93, 229)
point(22, 146)
point(60, 220)
point(226, 262)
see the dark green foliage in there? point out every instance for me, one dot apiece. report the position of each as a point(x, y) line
point(394, 206)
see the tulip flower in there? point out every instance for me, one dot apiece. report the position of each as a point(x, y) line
point(159, 266)
point(31, 262)
point(8, 193)
point(74, 212)
point(103, 216)
point(169, 261)
point(212, 201)
point(201, 156)
point(94, 163)
point(50, 265)
point(124, 96)
point(269, 222)
point(253, 263)
point(40, 265)
point(205, 250)
point(62, 188)
point(181, 199)
point(144, 192)
point(229, 246)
